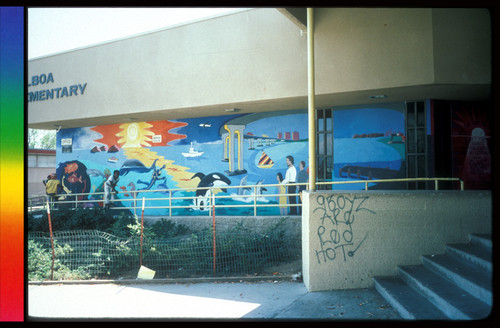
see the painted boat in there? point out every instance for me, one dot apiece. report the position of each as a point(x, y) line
point(192, 152)
point(265, 162)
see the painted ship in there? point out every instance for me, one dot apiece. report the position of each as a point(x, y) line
point(265, 162)
point(192, 152)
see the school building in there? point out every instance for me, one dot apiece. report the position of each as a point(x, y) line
point(398, 93)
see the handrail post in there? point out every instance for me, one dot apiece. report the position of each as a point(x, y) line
point(213, 202)
point(170, 203)
point(436, 188)
point(254, 201)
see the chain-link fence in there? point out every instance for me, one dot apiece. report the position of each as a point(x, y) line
point(200, 254)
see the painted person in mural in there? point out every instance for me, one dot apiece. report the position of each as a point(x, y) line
point(290, 177)
point(301, 178)
point(110, 188)
point(282, 192)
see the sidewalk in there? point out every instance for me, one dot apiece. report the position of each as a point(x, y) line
point(280, 300)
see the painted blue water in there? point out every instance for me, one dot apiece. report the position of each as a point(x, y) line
point(348, 151)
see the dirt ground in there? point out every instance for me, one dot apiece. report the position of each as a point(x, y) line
point(284, 268)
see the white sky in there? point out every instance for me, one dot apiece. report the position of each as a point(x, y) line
point(53, 30)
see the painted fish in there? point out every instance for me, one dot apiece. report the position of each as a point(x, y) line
point(162, 188)
point(74, 178)
point(72, 167)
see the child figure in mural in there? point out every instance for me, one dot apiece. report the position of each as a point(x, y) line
point(301, 178)
point(109, 188)
point(282, 192)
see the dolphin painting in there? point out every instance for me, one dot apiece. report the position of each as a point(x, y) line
point(136, 166)
point(218, 180)
point(260, 189)
point(243, 182)
point(95, 173)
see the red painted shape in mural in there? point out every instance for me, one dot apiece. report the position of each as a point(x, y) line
point(111, 137)
point(163, 128)
point(109, 134)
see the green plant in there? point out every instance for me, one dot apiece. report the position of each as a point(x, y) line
point(40, 264)
point(66, 219)
point(166, 228)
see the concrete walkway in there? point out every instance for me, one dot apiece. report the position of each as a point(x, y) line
point(280, 300)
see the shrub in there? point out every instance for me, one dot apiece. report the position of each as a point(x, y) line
point(166, 228)
point(40, 263)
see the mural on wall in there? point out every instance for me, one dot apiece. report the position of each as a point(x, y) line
point(184, 157)
point(369, 143)
point(471, 144)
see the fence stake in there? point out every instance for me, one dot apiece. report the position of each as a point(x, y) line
point(51, 242)
point(142, 227)
point(213, 225)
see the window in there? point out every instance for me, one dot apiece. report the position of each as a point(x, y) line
point(324, 146)
point(416, 145)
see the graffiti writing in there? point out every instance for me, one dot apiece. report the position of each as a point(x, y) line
point(335, 233)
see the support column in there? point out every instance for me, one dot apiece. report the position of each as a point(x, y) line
point(310, 97)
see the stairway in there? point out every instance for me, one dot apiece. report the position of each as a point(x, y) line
point(454, 285)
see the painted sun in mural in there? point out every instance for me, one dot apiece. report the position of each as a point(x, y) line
point(135, 135)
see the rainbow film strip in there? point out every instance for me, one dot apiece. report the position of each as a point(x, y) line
point(11, 164)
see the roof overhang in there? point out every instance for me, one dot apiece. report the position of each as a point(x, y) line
point(297, 15)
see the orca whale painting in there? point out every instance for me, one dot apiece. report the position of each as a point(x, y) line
point(203, 193)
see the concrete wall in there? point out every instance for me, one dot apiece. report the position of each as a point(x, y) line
point(247, 56)
point(260, 224)
point(347, 238)
point(35, 177)
point(371, 48)
point(256, 60)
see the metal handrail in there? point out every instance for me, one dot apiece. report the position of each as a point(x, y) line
point(214, 196)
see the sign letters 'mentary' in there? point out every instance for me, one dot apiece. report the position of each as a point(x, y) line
point(59, 92)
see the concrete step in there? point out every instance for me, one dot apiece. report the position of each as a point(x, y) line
point(475, 281)
point(456, 285)
point(476, 255)
point(455, 302)
point(405, 300)
point(482, 239)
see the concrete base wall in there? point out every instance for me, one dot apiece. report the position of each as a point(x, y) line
point(349, 237)
point(291, 224)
